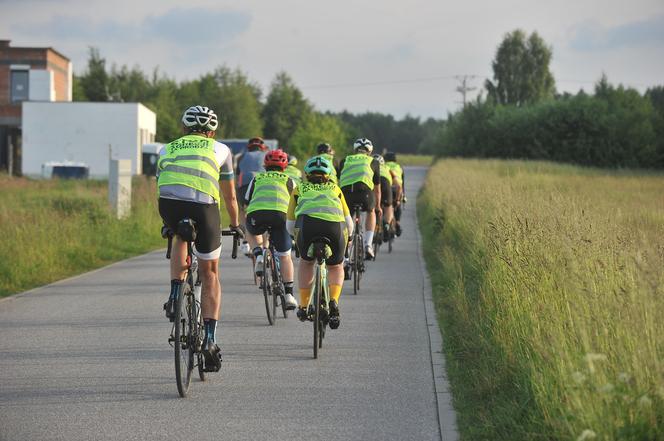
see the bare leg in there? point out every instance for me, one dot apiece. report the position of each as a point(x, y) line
point(178, 259)
point(211, 288)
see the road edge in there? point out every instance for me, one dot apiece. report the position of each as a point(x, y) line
point(36, 289)
point(446, 414)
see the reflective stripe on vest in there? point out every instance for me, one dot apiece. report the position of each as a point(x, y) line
point(385, 173)
point(320, 201)
point(191, 161)
point(270, 192)
point(398, 171)
point(357, 168)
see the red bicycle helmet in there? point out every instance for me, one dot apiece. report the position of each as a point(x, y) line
point(276, 158)
point(256, 143)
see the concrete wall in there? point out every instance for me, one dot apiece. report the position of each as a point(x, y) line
point(91, 133)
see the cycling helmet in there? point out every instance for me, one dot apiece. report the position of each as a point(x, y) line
point(256, 143)
point(200, 118)
point(292, 160)
point(318, 165)
point(379, 158)
point(391, 157)
point(276, 158)
point(363, 144)
point(324, 148)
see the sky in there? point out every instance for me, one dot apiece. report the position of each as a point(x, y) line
point(388, 56)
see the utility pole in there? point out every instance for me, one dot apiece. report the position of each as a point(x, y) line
point(463, 89)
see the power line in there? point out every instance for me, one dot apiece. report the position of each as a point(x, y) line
point(381, 83)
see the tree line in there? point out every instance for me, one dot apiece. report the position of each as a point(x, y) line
point(522, 116)
point(284, 113)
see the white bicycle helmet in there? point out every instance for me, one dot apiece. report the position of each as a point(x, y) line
point(200, 117)
point(380, 159)
point(363, 144)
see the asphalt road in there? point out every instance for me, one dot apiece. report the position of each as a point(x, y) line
point(88, 359)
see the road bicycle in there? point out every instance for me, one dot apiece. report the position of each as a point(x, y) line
point(318, 309)
point(271, 282)
point(188, 330)
point(378, 235)
point(356, 250)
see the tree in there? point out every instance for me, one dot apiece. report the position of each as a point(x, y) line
point(285, 109)
point(239, 104)
point(317, 128)
point(521, 70)
point(94, 82)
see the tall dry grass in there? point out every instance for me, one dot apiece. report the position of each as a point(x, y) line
point(549, 282)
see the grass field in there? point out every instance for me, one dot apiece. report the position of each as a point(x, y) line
point(405, 159)
point(54, 229)
point(549, 284)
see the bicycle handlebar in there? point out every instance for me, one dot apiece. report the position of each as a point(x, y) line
point(236, 241)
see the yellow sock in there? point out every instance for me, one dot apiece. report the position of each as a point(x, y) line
point(305, 293)
point(335, 292)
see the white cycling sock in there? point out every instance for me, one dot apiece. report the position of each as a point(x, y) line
point(368, 237)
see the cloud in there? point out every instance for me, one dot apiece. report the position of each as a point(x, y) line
point(189, 28)
point(590, 36)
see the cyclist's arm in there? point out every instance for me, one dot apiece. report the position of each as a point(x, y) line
point(227, 184)
point(347, 217)
point(375, 166)
point(290, 216)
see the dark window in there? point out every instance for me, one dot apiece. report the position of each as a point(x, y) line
point(19, 84)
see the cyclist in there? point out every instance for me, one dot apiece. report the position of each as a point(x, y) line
point(191, 172)
point(249, 163)
point(325, 150)
point(292, 171)
point(385, 196)
point(318, 208)
point(268, 194)
point(359, 180)
point(398, 192)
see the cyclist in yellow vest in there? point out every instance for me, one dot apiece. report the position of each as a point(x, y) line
point(292, 171)
point(359, 179)
point(398, 192)
point(192, 170)
point(318, 208)
point(385, 196)
point(268, 194)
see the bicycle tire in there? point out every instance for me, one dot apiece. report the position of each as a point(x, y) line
point(281, 290)
point(253, 269)
point(198, 334)
point(276, 287)
point(268, 293)
point(316, 303)
point(358, 257)
point(183, 355)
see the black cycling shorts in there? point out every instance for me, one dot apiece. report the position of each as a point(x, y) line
point(385, 192)
point(359, 194)
point(308, 228)
point(208, 223)
point(260, 220)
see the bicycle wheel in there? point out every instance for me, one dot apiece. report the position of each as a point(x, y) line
point(280, 291)
point(184, 362)
point(316, 303)
point(268, 292)
point(358, 257)
point(277, 287)
point(197, 337)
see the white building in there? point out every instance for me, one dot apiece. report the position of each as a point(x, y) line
point(91, 133)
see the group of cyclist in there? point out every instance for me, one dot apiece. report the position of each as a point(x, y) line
point(194, 171)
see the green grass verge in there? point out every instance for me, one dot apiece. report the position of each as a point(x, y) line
point(55, 229)
point(405, 159)
point(549, 289)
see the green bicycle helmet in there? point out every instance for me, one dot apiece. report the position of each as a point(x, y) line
point(319, 165)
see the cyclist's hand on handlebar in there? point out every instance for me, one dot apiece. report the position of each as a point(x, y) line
point(237, 230)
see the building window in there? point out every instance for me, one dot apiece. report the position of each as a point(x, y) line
point(19, 85)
